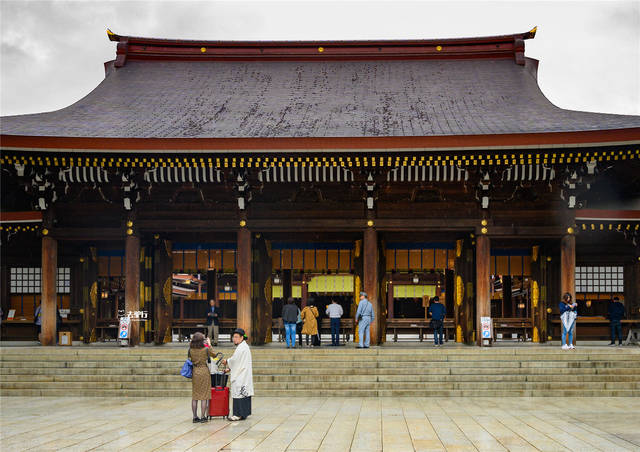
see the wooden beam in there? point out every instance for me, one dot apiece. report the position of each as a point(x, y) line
point(243, 267)
point(48, 295)
point(87, 234)
point(370, 269)
point(483, 280)
point(132, 285)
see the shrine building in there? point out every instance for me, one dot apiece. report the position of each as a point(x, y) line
point(250, 172)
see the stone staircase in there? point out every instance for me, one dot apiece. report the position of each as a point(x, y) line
point(412, 371)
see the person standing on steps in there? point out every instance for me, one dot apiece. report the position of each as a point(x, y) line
point(201, 378)
point(310, 326)
point(290, 318)
point(616, 314)
point(437, 312)
point(241, 367)
point(334, 311)
point(364, 317)
point(213, 321)
point(299, 327)
point(568, 315)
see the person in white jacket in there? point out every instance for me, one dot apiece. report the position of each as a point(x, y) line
point(241, 376)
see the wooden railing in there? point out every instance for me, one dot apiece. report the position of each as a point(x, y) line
point(522, 326)
point(594, 327)
point(416, 326)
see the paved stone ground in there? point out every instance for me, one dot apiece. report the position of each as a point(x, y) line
point(325, 424)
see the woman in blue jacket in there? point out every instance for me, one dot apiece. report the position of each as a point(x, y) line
point(568, 315)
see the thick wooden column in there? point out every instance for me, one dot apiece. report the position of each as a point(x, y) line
point(243, 267)
point(483, 279)
point(463, 291)
point(89, 278)
point(286, 285)
point(568, 269)
point(162, 291)
point(261, 293)
point(132, 285)
point(539, 286)
point(48, 294)
point(390, 305)
point(370, 270)
point(632, 289)
point(568, 265)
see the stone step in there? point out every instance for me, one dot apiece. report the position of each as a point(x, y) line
point(320, 371)
point(32, 363)
point(326, 378)
point(126, 393)
point(345, 372)
point(161, 387)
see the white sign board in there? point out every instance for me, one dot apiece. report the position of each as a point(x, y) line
point(123, 331)
point(485, 323)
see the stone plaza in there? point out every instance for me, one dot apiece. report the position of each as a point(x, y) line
point(326, 424)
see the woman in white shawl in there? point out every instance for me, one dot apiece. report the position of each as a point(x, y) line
point(568, 315)
point(241, 376)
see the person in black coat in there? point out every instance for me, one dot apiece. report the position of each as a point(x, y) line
point(616, 314)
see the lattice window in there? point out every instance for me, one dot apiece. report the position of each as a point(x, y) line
point(600, 279)
point(28, 280)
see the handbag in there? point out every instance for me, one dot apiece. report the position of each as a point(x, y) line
point(187, 368)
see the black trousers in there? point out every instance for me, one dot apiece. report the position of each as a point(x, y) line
point(335, 331)
point(616, 330)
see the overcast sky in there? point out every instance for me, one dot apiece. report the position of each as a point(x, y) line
point(52, 51)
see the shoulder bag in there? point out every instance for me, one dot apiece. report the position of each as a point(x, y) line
point(187, 367)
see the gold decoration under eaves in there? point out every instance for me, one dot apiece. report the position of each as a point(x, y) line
point(535, 294)
point(268, 294)
point(535, 252)
point(93, 294)
point(167, 291)
point(458, 248)
point(459, 290)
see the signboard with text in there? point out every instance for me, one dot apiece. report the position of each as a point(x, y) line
point(485, 327)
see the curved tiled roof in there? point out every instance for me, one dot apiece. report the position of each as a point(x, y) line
point(173, 98)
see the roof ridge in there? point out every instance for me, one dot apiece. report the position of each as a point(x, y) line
point(502, 46)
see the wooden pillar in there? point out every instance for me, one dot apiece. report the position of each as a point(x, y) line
point(463, 291)
point(304, 291)
point(632, 289)
point(243, 267)
point(90, 295)
point(568, 269)
point(390, 305)
point(132, 285)
point(261, 293)
point(370, 270)
point(48, 294)
point(483, 279)
point(568, 265)
point(286, 285)
point(162, 290)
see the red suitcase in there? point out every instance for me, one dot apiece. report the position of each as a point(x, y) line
point(219, 404)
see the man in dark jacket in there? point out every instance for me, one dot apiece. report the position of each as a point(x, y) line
point(438, 312)
point(616, 313)
point(213, 321)
point(289, 318)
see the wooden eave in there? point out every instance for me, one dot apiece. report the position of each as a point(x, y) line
point(533, 141)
